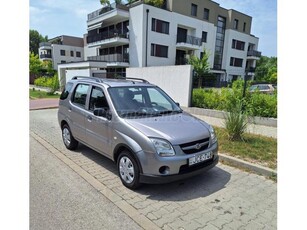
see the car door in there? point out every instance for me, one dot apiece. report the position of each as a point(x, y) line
point(98, 128)
point(77, 111)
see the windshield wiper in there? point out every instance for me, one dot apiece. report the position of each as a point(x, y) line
point(169, 112)
point(139, 114)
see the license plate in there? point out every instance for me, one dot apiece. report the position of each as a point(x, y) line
point(200, 158)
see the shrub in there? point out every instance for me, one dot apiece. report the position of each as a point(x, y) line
point(255, 104)
point(236, 123)
point(262, 105)
point(51, 82)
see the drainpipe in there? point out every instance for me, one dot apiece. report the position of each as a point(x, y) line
point(146, 48)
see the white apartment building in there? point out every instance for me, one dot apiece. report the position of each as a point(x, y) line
point(62, 49)
point(140, 35)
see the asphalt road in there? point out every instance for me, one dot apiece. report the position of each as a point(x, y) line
point(61, 199)
point(222, 198)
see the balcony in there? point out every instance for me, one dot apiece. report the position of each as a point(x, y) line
point(45, 56)
point(107, 14)
point(188, 42)
point(45, 45)
point(113, 60)
point(111, 38)
point(181, 61)
point(253, 54)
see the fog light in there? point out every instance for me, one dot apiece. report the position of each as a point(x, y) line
point(164, 170)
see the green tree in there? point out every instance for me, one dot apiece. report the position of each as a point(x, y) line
point(266, 70)
point(105, 2)
point(201, 66)
point(47, 68)
point(35, 64)
point(35, 39)
point(157, 3)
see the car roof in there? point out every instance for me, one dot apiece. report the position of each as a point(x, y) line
point(114, 82)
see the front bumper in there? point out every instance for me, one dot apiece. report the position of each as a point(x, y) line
point(184, 173)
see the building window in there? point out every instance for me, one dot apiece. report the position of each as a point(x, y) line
point(71, 53)
point(78, 54)
point(206, 14)
point(244, 26)
point(238, 45)
point(160, 26)
point(219, 43)
point(193, 10)
point(204, 37)
point(62, 52)
point(237, 62)
point(159, 50)
point(236, 24)
point(62, 62)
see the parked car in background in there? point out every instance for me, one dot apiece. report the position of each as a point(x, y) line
point(138, 126)
point(262, 88)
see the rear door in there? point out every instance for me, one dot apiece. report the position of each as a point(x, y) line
point(98, 129)
point(77, 110)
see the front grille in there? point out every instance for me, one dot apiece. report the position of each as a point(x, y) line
point(195, 146)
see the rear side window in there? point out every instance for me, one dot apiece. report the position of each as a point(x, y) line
point(80, 94)
point(66, 91)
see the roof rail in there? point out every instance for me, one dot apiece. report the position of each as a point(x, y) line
point(90, 78)
point(137, 79)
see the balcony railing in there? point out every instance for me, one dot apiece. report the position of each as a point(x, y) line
point(189, 39)
point(253, 53)
point(106, 9)
point(111, 58)
point(41, 56)
point(181, 61)
point(250, 69)
point(41, 44)
point(105, 36)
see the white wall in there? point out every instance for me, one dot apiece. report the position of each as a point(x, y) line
point(137, 31)
point(176, 81)
point(57, 58)
point(89, 52)
point(230, 52)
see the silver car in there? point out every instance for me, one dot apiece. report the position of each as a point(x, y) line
point(138, 126)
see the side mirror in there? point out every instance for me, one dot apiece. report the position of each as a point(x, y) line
point(177, 103)
point(101, 112)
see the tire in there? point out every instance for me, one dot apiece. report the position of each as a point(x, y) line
point(69, 141)
point(128, 170)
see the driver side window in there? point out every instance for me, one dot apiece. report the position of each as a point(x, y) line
point(98, 99)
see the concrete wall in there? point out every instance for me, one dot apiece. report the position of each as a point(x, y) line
point(176, 81)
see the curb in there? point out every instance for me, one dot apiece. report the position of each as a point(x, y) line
point(258, 169)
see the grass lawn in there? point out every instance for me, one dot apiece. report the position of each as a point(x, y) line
point(255, 148)
point(36, 94)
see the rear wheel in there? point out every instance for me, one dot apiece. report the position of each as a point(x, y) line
point(128, 170)
point(69, 141)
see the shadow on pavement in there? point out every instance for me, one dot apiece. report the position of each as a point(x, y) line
point(201, 185)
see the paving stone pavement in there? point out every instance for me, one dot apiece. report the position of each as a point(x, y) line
point(222, 198)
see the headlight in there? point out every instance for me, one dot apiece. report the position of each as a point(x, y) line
point(212, 135)
point(163, 147)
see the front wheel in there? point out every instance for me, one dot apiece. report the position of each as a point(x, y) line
point(128, 170)
point(69, 141)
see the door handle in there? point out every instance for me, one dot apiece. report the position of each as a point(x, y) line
point(89, 118)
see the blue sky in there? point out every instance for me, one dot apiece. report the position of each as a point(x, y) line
point(58, 17)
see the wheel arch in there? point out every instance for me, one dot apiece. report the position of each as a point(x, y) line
point(122, 147)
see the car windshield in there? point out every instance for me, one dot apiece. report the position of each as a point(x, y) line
point(131, 102)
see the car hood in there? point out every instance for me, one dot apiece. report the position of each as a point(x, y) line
point(177, 129)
